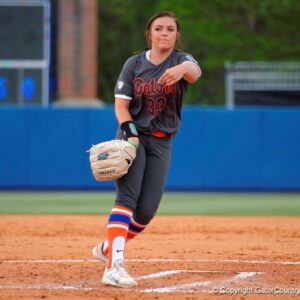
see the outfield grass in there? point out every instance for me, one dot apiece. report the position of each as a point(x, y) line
point(268, 204)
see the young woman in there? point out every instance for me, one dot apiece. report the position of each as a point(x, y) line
point(148, 100)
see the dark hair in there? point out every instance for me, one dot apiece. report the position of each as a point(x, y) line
point(160, 15)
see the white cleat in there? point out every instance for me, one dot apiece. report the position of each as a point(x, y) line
point(98, 253)
point(118, 276)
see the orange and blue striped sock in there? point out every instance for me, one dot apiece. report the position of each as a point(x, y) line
point(134, 229)
point(117, 230)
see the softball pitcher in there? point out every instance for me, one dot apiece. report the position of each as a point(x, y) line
point(148, 99)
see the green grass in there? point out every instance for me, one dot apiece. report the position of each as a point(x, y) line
point(268, 204)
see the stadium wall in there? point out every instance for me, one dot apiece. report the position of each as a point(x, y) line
point(245, 149)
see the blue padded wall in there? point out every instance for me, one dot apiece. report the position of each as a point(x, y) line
point(253, 149)
point(14, 154)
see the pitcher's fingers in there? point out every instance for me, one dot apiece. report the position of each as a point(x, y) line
point(170, 82)
point(162, 79)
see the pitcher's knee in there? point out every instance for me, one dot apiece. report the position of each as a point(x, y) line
point(142, 217)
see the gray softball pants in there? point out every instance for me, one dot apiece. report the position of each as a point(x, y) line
point(142, 187)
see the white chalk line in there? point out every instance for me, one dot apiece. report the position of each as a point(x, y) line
point(173, 272)
point(159, 274)
point(47, 287)
point(186, 287)
point(80, 287)
point(149, 260)
point(227, 282)
point(192, 287)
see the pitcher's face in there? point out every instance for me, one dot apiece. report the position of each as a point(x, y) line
point(163, 34)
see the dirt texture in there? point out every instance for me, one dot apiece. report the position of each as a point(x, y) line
point(176, 257)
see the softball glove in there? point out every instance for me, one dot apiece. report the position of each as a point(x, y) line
point(111, 160)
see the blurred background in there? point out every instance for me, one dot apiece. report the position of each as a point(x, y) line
point(60, 59)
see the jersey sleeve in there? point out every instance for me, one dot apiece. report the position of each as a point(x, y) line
point(124, 86)
point(182, 57)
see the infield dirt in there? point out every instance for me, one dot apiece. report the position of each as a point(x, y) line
point(177, 257)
